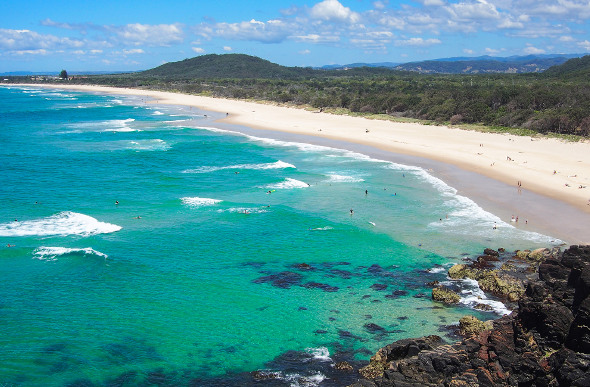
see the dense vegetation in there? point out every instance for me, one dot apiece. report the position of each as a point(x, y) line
point(556, 101)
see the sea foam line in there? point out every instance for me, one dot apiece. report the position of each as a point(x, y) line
point(335, 178)
point(199, 202)
point(276, 165)
point(63, 223)
point(52, 253)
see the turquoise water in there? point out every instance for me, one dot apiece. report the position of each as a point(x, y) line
point(224, 252)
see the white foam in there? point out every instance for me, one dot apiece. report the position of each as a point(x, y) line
point(52, 253)
point(297, 380)
point(325, 228)
point(472, 295)
point(244, 210)
point(199, 202)
point(288, 183)
point(158, 113)
point(149, 145)
point(119, 125)
point(320, 353)
point(335, 178)
point(63, 223)
point(276, 165)
point(436, 270)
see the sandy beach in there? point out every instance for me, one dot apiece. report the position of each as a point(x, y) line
point(546, 170)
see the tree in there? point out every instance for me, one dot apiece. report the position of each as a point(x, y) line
point(63, 74)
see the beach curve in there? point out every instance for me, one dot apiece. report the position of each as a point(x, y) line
point(553, 168)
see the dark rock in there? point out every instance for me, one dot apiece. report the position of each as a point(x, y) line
point(491, 252)
point(265, 375)
point(303, 266)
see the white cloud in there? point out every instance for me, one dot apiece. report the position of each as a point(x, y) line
point(152, 35)
point(304, 52)
point(332, 10)
point(26, 41)
point(198, 50)
point(530, 50)
point(31, 52)
point(273, 31)
point(417, 42)
point(479, 10)
point(133, 51)
point(585, 45)
point(314, 38)
point(491, 51)
point(468, 51)
point(380, 4)
point(430, 3)
point(227, 48)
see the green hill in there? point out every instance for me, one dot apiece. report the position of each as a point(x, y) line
point(577, 68)
point(237, 66)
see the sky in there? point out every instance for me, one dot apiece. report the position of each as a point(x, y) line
point(130, 35)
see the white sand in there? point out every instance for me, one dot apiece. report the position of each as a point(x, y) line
point(549, 167)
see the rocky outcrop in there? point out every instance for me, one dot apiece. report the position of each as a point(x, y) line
point(469, 326)
point(445, 295)
point(544, 342)
point(501, 274)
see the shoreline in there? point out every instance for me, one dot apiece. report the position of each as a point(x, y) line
point(486, 167)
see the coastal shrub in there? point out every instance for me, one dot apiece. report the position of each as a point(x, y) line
point(456, 119)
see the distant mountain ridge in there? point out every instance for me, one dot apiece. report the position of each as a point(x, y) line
point(472, 65)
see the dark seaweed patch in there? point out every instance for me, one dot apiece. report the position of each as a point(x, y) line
point(373, 328)
point(342, 273)
point(318, 285)
point(379, 287)
point(283, 280)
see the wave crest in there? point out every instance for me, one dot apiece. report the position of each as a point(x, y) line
point(199, 202)
point(63, 223)
point(276, 165)
point(52, 253)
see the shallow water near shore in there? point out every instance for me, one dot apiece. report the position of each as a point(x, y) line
point(147, 243)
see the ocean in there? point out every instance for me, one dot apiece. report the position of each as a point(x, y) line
point(145, 244)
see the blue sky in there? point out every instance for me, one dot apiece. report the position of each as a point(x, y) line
point(107, 35)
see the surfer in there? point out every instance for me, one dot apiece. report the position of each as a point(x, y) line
point(116, 202)
point(351, 212)
point(137, 217)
